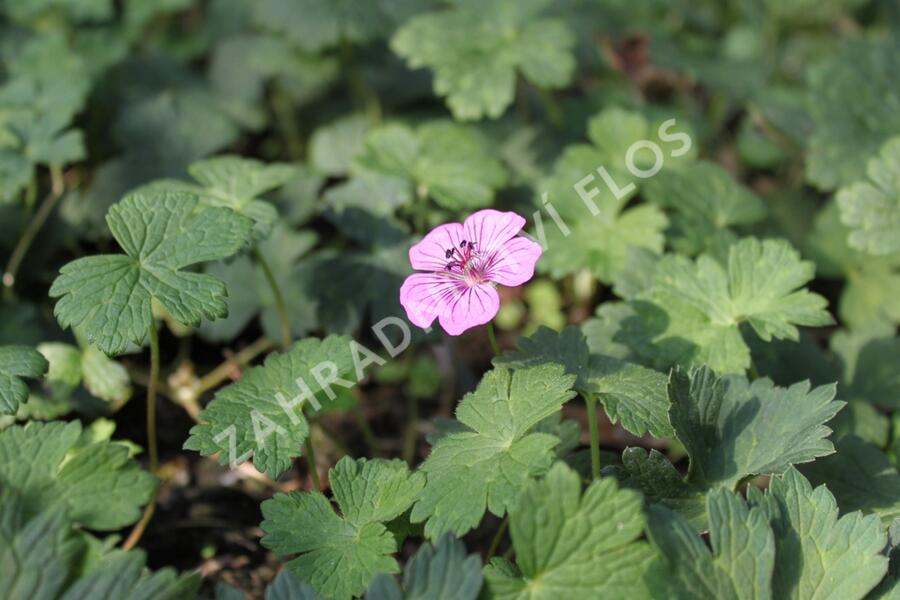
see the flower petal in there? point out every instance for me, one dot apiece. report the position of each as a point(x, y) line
point(427, 295)
point(513, 263)
point(489, 228)
point(475, 306)
point(431, 253)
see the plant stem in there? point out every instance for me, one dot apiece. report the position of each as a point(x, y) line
point(492, 336)
point(141, 526)
point(554, 113)
point(754, 374)
point(138, 530)
point(495, 543)
point(151, 398)
point(287, 122)
point(362, 93)
point(311, 462)
point(31, 230)
point(591, 402)
point(223, 371)
point(280, 306)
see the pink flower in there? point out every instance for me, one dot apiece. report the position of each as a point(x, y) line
point(465, 263)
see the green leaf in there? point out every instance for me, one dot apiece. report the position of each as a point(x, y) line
point(64, 362)
point(872, 208)
point(860, 476)
point(707, 204)
point(356, 545)
point(288, 587)
point(41, 462)
point(870, 366)
point(262, 414)
point(819, 555)
point(602, 245)
point(590, 187)
point(570, 545)
point(441, 159)
point(852, 95)
point(42, 557)
point(36, 554)
point(477, 49)
point(237, 183)
point(732, 429)
point(630, 393)
point(103, 377)
point(693, 312)
point(17, 362)
point(871, 292)
point(660, 482)
point(318, 24)
point(333, 146)
point(109, 295)
point(442, 571)
point(739, 566)
point(283, 249)
point(484, 466)
point(123, 575)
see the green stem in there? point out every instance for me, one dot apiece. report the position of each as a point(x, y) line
point(287, 123)
point(591, 402)
point(30, 194)
point(31, 230)
point(362, 93)
point(285, 320)
point(141, 526)
point(280, 306)
point(492, 336)
point(311, 462)
point(554, 113)
point(495, 543)
point(152, 386)
point(754, 374)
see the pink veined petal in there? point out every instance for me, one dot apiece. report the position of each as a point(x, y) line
point(475, 306)
point(424, 296)
point(431, 253)
point(513, 263)
point(490, 228)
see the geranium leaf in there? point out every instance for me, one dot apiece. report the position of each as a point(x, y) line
point(574, 545)
point(860, 476)
point(859, 75)
point(109, 295)
point(693, 311)
point(318, 24)
point(707, 204)
point(630, 393)
point(441, 159)
point(476, 50)
point(732, 428)
point(41, 463)
point(261, 415)
point(442, 571)
point(738, 567)
point(871, 209)
point(483, 467)
point(818, 555)
point(369, 493)
point(17, 362)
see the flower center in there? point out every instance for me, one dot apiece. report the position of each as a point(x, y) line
point(466, 263)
